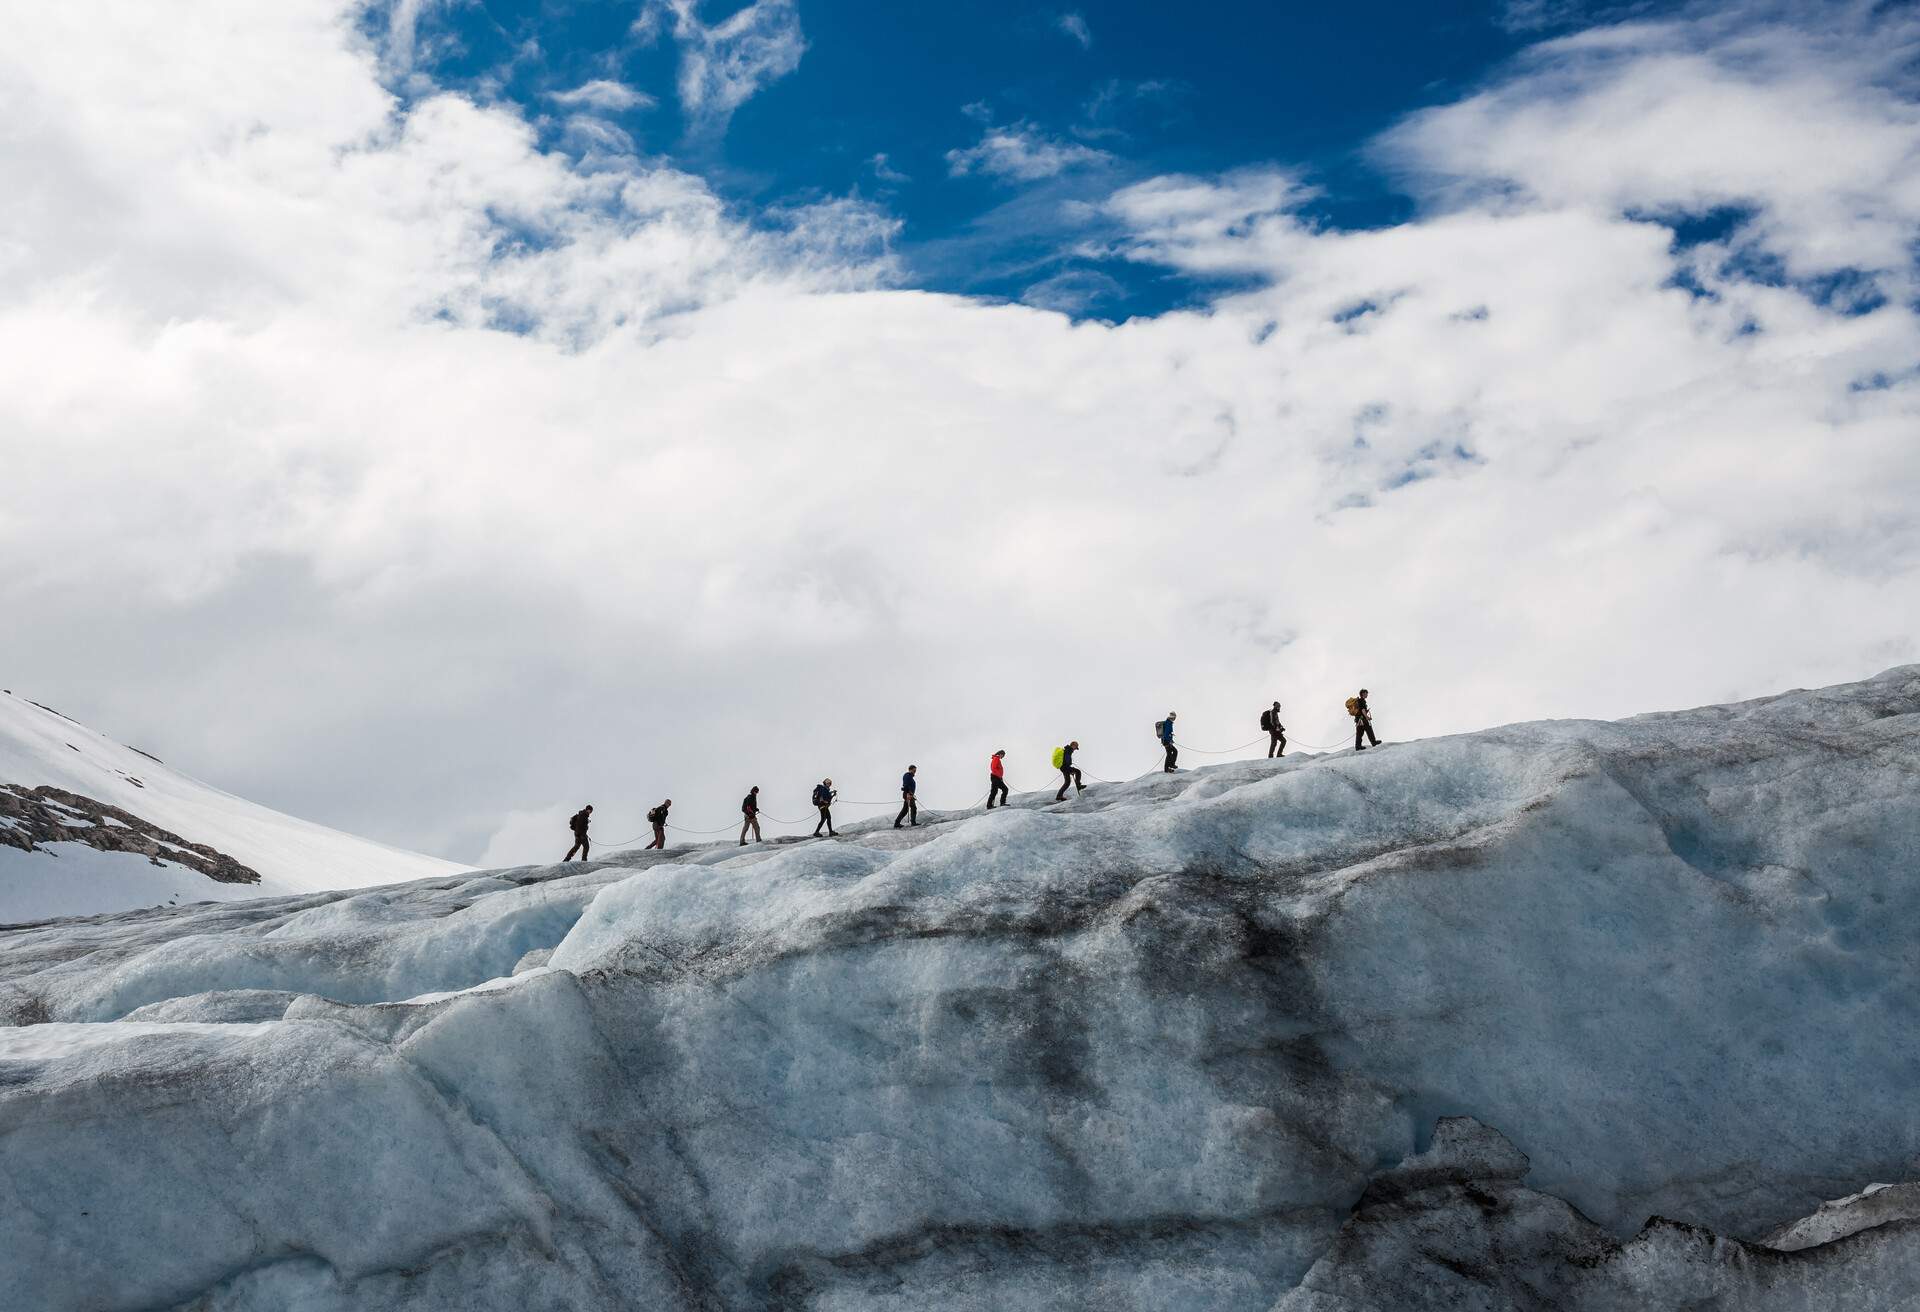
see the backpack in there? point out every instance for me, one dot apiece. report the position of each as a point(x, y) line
point(1160, 730)
point(1353, 706)
point(578, 822)
point(1266, 721)
point(657, 816)
point(821, 797)
point(749, 804)
point(1059, 758)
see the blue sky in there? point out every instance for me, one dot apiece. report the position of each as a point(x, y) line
point(885, 94)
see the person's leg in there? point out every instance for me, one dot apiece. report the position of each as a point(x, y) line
point(904, 805)
point(570, 851)
point(1078, 785)
point(827, 811)
point(913, 810)
point(1066, 780)
point(1001, 784)
point(1273, 741)
point(1173, 754)
point(756, 827)
point(820, 824)
point(1359, 735)
point(1283, 746)
point(1370, 738)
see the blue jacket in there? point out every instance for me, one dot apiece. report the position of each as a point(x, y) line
point(906, 783)
point(1165, 728)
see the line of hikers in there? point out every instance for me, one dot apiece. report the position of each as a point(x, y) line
point(824, 792)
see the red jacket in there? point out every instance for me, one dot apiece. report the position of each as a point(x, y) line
point(997, 767)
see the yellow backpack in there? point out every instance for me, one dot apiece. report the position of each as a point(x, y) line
point(1059, 757)
point(1353, 706)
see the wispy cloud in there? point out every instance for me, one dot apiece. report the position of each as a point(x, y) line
point(883, 169)
point(722, 65)
point(1021, 152)
point(604, 95)
point(1075, 26)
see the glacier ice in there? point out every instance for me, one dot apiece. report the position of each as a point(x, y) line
point(1323, 1032)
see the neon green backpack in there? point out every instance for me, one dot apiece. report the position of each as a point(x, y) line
point(1059, 757)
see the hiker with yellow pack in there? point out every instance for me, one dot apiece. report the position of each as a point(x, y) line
point(1069, 773)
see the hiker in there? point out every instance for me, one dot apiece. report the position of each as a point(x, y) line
point(750, 809)
point(581, 819)
point(1069, 773)
point(1362, 721)
point(1276, 732)
point(823, 795)
point(658, 819)
point(997, 778)
point(1164, 730)
point(909, 806)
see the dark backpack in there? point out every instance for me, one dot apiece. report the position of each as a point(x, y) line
point(821, 797)
point(1266, 720)
point(657, 816)
point(749, 804)
point(579, 822)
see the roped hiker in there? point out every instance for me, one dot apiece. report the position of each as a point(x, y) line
point(658, 819)
point(997, 778)
point(578, 823)
point(1362, 721)
point(1276, 732)
point(908, 805)
point(823, 795)
point(1069, 773)
point(750, 813)
point(1164, 731)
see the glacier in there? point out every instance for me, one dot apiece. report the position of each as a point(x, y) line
point(1564, 1014)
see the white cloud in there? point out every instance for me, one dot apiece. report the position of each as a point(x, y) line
point(1075, 26)
point(1022, 153)
point(884, 170)
point(287, 501)
point(722, 65)
point(601, 94)
point(1800, 121)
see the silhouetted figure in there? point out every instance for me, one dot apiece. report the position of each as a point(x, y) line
point(658, 819)
point(1164, 730)
point(823, 795)
point(997, 778)
point(1362, 721)
point(1276, 732)
point(750, 815)
point(1069, 773)
point(909, 806)
point(581, 819)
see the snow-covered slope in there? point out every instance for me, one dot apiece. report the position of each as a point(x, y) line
point(88, 825)
point(1437, 1026)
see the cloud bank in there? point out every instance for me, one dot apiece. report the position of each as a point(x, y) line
point(381, 464)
